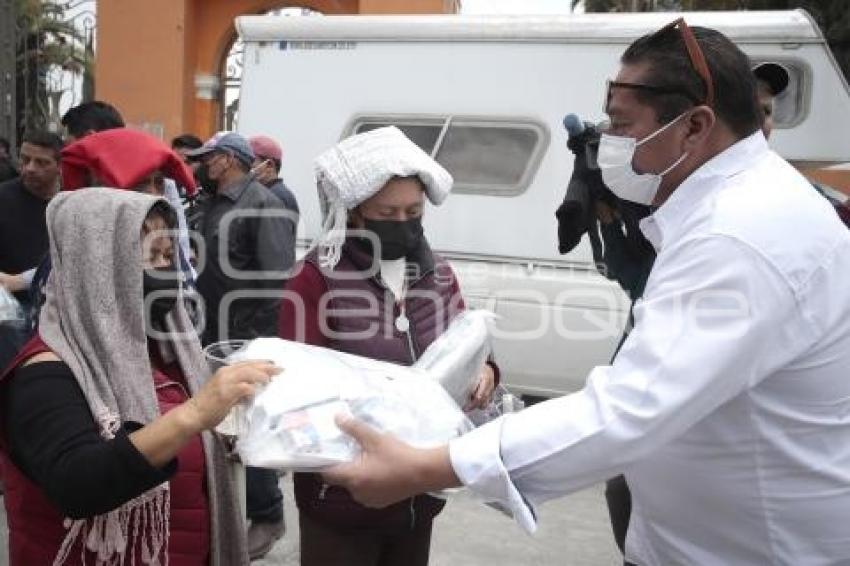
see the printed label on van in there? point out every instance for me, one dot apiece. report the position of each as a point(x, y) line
point(315, 45)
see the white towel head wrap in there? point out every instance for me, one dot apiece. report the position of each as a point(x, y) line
point(357, 168)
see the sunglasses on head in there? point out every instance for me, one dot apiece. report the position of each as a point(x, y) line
point(697, 59)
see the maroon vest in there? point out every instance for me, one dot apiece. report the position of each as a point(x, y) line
point(36, 529)
point(361, 314)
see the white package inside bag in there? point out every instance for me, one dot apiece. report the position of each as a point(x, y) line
point(10, 309)
point(291, 425)
point(455, 359)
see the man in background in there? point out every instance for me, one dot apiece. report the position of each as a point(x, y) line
point(23, 227)
point(249, 250)
point(269, 156)
point(90, 117)
point(183, 144)
point(771, 79)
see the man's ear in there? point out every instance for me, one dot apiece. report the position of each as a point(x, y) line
point(700, 123)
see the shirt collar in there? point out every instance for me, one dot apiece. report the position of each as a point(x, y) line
point(234, 192)
point(728, 163)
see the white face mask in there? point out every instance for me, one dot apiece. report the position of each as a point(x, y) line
point(615, 161)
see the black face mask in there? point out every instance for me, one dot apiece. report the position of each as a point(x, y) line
point(163, 303)
point(202, 178)
point(398, 238)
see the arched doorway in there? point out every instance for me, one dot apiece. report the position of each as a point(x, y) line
point(231, 69)
point(175, 82)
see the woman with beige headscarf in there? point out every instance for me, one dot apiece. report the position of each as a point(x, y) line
point(106, 455)
point(371, 286)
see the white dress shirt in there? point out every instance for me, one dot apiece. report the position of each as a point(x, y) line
point(728, 407)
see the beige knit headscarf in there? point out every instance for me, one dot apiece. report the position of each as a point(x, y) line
point(357, 168)
point(93, 320)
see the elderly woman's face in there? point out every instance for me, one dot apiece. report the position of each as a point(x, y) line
point(401, 199)
point(157, 244)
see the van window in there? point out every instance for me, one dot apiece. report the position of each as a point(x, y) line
point(423, 135)
point(790, 107)
point(484, 155)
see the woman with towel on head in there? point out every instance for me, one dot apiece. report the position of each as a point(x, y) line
point(106, 458)
point(372, 287)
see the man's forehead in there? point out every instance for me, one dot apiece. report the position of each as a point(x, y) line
point(624, 100)
point(32, 150)
point(633, 73)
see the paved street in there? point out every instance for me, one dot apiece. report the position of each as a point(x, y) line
point(573, 531)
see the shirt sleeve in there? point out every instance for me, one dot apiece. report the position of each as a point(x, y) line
point(54, 441)
point(700, 339)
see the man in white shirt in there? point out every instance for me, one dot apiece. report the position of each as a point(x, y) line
point(728, 408)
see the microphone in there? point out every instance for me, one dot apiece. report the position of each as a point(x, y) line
point(573, 125)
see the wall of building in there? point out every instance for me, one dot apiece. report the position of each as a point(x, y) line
point(158, 60)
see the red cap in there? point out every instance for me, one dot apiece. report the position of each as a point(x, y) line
point(122, 158)
point(266, 148)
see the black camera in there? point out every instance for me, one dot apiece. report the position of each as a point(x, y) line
point(577, 213)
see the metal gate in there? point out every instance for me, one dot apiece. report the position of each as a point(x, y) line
point(46, 62)
point(231, 78)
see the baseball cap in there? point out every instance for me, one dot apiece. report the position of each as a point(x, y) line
point(265, 147)
point(775, 75)
point(229, 142)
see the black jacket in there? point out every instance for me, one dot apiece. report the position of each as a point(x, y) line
point(245, 273)
point(287, 197)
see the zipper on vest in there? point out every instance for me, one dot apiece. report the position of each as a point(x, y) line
point(410, 344)
point(323, 490)
point(407, 330)
point(412, 513)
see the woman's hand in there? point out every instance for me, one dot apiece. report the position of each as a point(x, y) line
point(228, 386)
point(12, 283)
point(483, 392)
point(162, 439)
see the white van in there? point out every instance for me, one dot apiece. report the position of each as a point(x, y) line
point(486, 96)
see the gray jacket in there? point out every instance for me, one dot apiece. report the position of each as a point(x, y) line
point(250, 247)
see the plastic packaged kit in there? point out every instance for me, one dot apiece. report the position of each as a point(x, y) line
point(290, 424)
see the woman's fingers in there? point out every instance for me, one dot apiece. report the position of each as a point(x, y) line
point(230, 385)
point(478, 398)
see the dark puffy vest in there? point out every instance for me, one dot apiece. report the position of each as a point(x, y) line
point(36, 531)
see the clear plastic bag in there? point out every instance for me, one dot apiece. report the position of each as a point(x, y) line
point(290, 424)
point(11, 310)
point(456, 357)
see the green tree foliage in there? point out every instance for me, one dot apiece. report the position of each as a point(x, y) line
point(833, 16)
point(46, 41)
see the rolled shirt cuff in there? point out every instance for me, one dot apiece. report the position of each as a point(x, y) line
point(477, 462)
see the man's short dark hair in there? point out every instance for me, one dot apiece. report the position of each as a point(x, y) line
point(186, 141)
point(4, 143)
point(670, 67)
point(45, 139)
point(95, 116)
